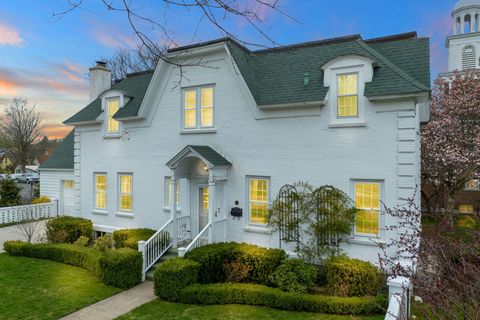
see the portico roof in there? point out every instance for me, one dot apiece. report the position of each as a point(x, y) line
point(211, 157)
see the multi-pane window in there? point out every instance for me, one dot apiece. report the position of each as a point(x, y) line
point(113, 104)
point(169, 194)
point(347, 95)
point(198, 108)
point(68, 184)
point(100, 191)
point(125, 190)
point(465, 208)
point(258, 200)
point(472, 184)
point(367, 201)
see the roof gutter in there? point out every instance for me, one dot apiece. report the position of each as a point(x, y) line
point(296, 105)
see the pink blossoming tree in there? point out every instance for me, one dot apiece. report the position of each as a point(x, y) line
point(451, 140)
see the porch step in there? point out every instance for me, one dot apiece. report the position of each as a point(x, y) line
point(171, 254)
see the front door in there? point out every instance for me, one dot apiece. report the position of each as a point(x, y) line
point(67, 197)
point(202, 207)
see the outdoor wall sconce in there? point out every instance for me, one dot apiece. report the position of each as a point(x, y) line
point(236, 212)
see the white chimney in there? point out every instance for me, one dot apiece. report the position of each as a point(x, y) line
point(100, 79)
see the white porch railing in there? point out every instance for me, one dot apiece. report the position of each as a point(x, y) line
point(220, 230)
point(157, 245)
point(183, 228)
point(200, 240)
point(28, 212)
point(399, 298)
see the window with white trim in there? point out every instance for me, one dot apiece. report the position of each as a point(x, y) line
point(125, 191)
point(258, 196)
point(465, 208)
point(100, 191)
point(198, 107)
point(367, 201)
point(347, 95)
point(112, 106)
point(472, 184)
point(169, 194)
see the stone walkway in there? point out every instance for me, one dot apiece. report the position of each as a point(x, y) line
point(116, 305)
point(14, 233)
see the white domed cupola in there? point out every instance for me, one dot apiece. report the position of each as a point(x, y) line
point(466, 17)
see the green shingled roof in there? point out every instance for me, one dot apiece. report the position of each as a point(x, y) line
point(62, 157)
point(276, 76)
point(211, 155)
point(134, 86)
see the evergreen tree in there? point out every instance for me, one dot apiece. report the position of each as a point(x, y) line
point(9, 193)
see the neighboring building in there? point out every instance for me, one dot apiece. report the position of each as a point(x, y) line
point(56, 176)
point(464, 54)
point(6, 162)
point(344, 112)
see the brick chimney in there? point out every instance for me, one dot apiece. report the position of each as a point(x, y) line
point(100, 79)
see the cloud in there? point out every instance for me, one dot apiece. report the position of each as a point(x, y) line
point(9, 36)
point(58, 131)
point(111, 36)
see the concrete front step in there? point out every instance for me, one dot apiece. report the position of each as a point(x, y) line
point(171, 254)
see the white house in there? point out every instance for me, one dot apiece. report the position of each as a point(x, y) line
point(232, 125)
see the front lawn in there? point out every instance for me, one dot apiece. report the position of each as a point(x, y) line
point(43, 289)
point(160, 310)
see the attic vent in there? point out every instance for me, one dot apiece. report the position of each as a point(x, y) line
point(468, 58)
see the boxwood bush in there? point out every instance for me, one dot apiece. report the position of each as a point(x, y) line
point(264, 261)
point(172, 276)
point(119, 268)
point(294, 275)
point(68, 229)
point(352, 277)
point(128, 238)
point(260, 295)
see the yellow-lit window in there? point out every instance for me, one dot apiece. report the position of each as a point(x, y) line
point(168, 186)
point(112, 107)
point(258, 200)
point(126, 181)
point(68, 184)
point(190, 108)
point(472, 184)
point(367, 201)
point(207, 107)
point(465, 208)
point(347, 95)
point(205, 199)
point(101, 191)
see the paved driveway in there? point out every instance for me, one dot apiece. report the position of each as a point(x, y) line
point(14, 232)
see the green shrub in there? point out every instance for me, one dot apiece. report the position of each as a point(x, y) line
point(174, 275)
point(128, 238)
point(120, 268)
point(9, 193)
point(104, 243)
point(253, 294)
point(352, 277)
point(212, 258)
point(72, 227)
point(82, 241)
point(294, 275)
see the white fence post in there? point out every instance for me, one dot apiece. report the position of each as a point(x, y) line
point(399, 290)
point(141, 248)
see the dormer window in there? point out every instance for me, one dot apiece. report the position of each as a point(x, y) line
point(112, 106)
point(198, 107)
point(347, 95)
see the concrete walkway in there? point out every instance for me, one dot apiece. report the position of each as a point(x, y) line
point(116, 305)
point(14, 232)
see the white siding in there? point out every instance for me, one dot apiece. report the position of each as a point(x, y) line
point(50, 182)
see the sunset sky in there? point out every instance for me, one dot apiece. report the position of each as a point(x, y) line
point(45, 58)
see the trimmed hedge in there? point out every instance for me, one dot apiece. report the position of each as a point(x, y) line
point(68, 229)
point(264, 261)
point(352, 277)
point(172, 276)
point(119, 268)
point(259, 295)
point(128, 238)
point(294, 275)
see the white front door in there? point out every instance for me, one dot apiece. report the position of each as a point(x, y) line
point(67, 197)
point(202, 207)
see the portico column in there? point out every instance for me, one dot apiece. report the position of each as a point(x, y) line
point(211, 205)
point(462, 24)
point(173, 207)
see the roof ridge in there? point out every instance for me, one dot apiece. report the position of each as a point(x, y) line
point(392, 66)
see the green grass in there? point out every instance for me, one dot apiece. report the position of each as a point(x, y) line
point(161, 310)
point(42, 289)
